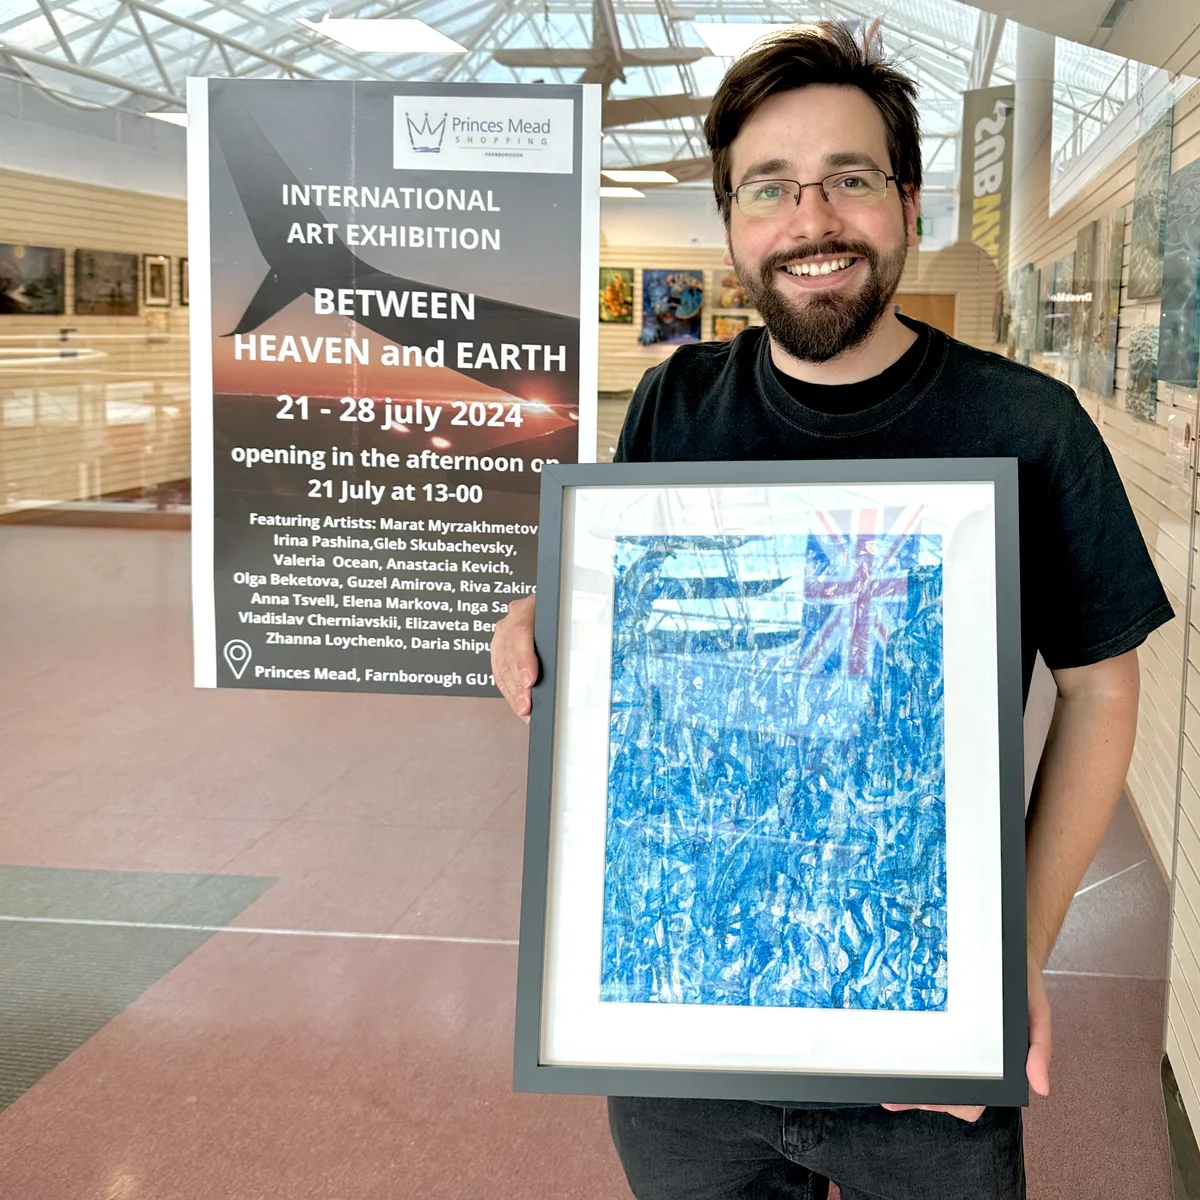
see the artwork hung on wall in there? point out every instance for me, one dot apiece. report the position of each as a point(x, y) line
point(733, 295)
point(33, 280)
point(1081, 310)
point(1064, 283)
point(1179, 324)
point(1106, 303)
point(106, 283)
point(1043, 342)
point(1141, 381)
point(1149, 210)
point(616, 295)
point(727, 326)
point(156, 280)
point(1023, 332)
point(759, 794)
point(184, 283)
point(671, 303)
point(1000, 318)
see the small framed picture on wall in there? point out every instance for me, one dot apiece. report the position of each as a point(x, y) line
point(156, 280)
point(183, 282)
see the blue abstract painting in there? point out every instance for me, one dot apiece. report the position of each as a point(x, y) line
point(776, 792)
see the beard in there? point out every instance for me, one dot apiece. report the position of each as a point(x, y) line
point(828, 323)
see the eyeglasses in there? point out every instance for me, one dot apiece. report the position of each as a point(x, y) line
point(846, 191)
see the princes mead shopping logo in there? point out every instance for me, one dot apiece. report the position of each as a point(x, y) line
point(425, 138)
point(485, 133)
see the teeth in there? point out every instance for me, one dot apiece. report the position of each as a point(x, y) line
point(824, 268)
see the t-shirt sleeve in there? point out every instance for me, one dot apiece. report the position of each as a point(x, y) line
point(1103, 596)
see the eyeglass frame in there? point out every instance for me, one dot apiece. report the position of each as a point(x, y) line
point(815, 183)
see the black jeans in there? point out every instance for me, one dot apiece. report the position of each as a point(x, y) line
point(737, 1150)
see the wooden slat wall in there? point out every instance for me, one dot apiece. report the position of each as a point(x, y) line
point(75, 428)
point(1164, 512)
point(962, 270)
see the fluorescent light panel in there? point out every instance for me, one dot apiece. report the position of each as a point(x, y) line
point(621, 193)
point(640, 176)
point(729, 39)
point(383, 36)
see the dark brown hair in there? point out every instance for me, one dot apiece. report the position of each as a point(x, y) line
point(821, 52)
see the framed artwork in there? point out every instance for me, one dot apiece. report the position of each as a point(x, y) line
point(1081, 308)
point(727, 326)
point(1149, 210)
point(106, 284)
point(33, 280)
point(774, 824)
point(733, 295)
point(1179, 323)
point(156, 280)
point(1106, 303)
point(616, 295)
point(1064, 283)
point(1045, 311)
point(1141, 380)
point(184, 284)
point(671, 303)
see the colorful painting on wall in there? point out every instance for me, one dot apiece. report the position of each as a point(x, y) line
point(1141, 381)
point(1179, 324)
point(33, 280)
point(106, 284)
point(671, 303)
point(1081, 310)
point(702, 861)
point(1106, 301)
point(616, 295)
point(1149, 210)
point(726, 327)
point(733, 295)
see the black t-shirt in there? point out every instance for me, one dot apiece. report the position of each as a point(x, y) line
point(1088, 588)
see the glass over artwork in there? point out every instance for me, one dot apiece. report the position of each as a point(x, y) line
point(776, 792)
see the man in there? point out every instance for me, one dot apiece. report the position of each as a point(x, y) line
point(817, 170)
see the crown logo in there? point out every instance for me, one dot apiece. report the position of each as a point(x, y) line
point(426, 138)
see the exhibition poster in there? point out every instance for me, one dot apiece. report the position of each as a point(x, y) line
point(387, 347)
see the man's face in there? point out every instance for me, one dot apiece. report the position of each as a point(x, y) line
point(807, 134)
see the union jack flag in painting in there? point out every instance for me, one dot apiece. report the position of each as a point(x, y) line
point(858, 577)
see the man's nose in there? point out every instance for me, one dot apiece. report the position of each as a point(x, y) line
point(814, 218)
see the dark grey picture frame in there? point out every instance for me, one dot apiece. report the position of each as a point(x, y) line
point(530, 1074)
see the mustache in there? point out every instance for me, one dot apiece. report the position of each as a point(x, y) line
point(773, 262)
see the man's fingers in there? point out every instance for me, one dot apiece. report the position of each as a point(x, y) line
point(514, 660)
point(964, 1112)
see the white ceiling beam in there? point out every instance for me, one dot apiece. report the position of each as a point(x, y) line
point(48, 13)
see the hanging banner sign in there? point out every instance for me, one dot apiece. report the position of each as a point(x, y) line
point(387, 346)
point(985, 188)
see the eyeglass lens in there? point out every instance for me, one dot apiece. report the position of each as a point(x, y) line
point(846, 189)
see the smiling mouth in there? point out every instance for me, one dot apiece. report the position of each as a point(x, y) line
point(829, 267)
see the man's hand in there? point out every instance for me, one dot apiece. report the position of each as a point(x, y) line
point(514, 661)
point(1037, 1065)
point(964, 1112)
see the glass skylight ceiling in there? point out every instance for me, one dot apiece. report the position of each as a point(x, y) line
point(136, 55)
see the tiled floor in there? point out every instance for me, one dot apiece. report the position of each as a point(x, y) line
point(330, 1043)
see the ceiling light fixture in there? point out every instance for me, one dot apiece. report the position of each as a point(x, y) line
point(621, 193)
point(370, 36)
point(172, 118)
point(729, 39)
point(639, 176)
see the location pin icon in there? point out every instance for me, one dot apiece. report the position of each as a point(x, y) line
point(237, 655)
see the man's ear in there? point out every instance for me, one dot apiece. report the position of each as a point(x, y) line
point(728, 258)
point(911, 199)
